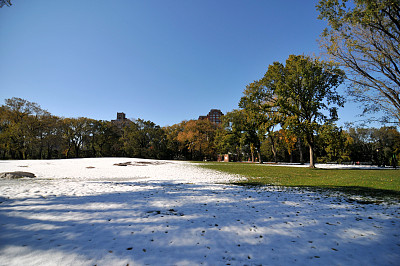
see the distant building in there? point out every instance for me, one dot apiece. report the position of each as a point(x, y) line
point(214, 116)
point(121, 117)
point(121, 120)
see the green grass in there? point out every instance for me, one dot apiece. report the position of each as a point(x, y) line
point(385, 181)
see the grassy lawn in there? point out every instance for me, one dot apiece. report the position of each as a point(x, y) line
point(385, 181)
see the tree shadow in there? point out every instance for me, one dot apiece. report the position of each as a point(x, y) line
point(369, 195)
point(164, 223)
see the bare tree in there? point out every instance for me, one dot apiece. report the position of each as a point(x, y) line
point(364, 37)
point(5, 3)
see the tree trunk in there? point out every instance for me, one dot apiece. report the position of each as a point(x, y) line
point(252, 152)
point(312, 164)
point(301, 152)
point(259, 156)
point(101, 152)
point(13, 154)
point(76, 151)
point(48, 151)
point(273, 148)
point(67, 154)
point(258, 150)
point(41, 151)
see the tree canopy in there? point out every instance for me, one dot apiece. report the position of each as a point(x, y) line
point(364, 37)
point(299, 91)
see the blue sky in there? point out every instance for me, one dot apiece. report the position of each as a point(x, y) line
point(164, 61)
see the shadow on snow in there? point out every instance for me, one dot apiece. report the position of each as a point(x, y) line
point(168, 223)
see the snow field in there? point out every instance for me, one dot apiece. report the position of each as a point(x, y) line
point(173, 213)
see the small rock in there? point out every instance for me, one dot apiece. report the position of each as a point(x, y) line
point(16, 175)
point(123, 164)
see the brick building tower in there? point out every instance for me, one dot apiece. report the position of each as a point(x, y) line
point(214, 116)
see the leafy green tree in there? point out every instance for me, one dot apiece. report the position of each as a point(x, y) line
point(175, 149)
point(246, 131)
point(105, 139)
point(362, 147)
point(304, 88)
point(231, 137)
point(259, 106)
point(334, 143)
point(364, 37)
point(19, 124)
point(144, 139)
point(289, 141)
point(378, 146)
point(227, 142)
point(198, 137)
point(76, 133)
point(33, 136)
point(386, 145)
point(51, 136)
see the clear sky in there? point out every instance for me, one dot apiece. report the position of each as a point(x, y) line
point(159, 60)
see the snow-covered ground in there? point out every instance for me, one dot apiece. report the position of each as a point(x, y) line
point(92, 212)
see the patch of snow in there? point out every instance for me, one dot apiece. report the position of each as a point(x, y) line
point(92, 212)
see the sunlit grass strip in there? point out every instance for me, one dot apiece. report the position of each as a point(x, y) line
point(305, 177)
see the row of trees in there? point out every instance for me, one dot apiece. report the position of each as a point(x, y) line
point(29, 132)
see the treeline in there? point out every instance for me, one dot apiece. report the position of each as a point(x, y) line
point(336, 145)
point(29, 132)
point(333, 144)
